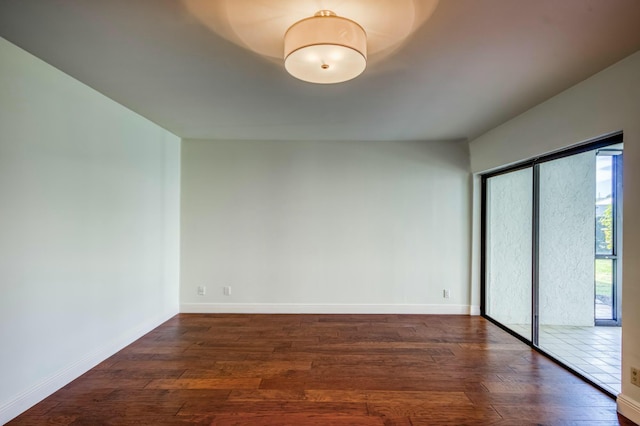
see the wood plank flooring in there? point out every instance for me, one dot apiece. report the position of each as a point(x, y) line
point(326, 370)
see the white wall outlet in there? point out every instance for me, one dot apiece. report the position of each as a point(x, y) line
point(226, 291)
point(202, 290)
point(446, 293)
point(635, 376)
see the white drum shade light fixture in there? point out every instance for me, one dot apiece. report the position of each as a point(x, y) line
point(325, 49)
point(323, 41)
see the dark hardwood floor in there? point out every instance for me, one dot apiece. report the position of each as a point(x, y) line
point(326, 370)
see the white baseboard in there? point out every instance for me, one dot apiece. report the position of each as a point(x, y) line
point(474, 310)
point(294, 308)
point(35, 394)
point(629, 408)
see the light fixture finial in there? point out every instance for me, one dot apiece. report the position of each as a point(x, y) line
point(325, 12)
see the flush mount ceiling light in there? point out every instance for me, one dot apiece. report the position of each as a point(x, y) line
point(325, 49)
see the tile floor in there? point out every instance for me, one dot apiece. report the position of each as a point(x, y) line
point(603, 310)
point(594, 352)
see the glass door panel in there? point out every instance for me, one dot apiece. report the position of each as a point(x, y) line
point(509, 208)
point(576, 252)
point(566, 241)
point(566, 247)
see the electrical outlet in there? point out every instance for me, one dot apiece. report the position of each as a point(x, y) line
point(202, 290)
point(446, 293)
point(226, 291)
point(635, 376)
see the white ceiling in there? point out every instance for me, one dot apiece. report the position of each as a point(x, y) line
point(473, 65)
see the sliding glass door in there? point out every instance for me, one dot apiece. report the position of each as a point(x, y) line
point(551, 258)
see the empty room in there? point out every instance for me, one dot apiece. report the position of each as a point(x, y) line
point(323, 212)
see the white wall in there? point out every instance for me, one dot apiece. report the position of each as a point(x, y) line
point(89, 226)
point(604, 103)
point(325, 226)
